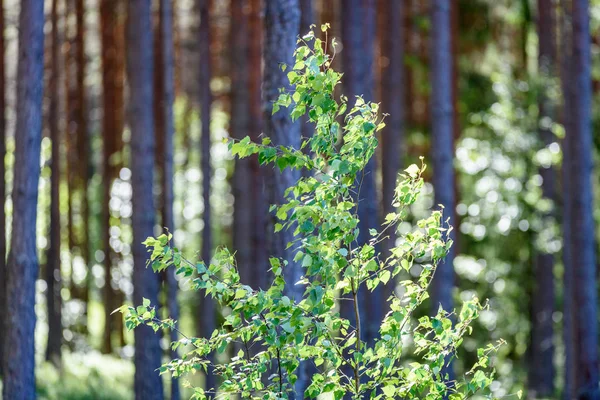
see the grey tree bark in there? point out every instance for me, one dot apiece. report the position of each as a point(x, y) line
point(442, 146)
point(260, 217)
point(243, 224)
point(282, 23)
point(165, 127)
point(358, 35)
point(567, 118)
point(22, 264)
point(147, 383)
point(206, 321)
point(581, 224)
point(2, 186)
point(112, 37)
point(442, 140)
point(307, 18)
point(392, 99)
point(282, 19)
point(53, 273)
point(541, 376)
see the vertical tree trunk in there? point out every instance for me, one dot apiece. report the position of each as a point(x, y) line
point(53, 272)
point(307, 18)
point(71, 137)
point(165, 92)
point(259, 238)
point(282, 19)
point(148, 384)
point(22, 265)
point(442, 141)
point(358, 34)
point(565, 73)
point(243, 225)
point(206, 320)
point(541, 377)
point(83, 147)
point(442, 145)
point(581, 225)
point(112, 130)
point(282, 23)
point(524, 33)
point(2, 188)
point(393, 97)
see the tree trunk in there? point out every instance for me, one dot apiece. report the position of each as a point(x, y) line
point(258, 196)
point(2, 188)
point(565, 71)
point(282, 19)
point(53, 272)
point(112, 130)
point(442, 145)
point(581, 226)
point(22, 265)
point(71, 139)
point(83, 146)
point(165, 92)
point(206, 319)
point(393, 97)
point(541, 377)
point(148, 384)
point(243, 225)
point(358, 34)
point(442, 141)
point(282, 22)
point(307, 18)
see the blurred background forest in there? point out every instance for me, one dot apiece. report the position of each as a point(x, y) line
point(499, 96)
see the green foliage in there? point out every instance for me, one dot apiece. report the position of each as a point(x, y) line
point(273, 333)
point(86, 377)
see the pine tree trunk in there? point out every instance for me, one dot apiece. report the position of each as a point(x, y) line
point(148, 384)
point(442, 141)
point(392, 98)
point(282, 22)
point(83, 147)
point(358, 35)
point(112, 36)
point(541, 377)
point(583, 254)
point(243, 225)
point(72, 167)
point(307, 18)
point(258, 195)
point(207, 318)
point(53, 271)
point(442, 146)
point(282, 19)
point(2, 188)
point(165, 92)
point(565, 71)
point(22, 265)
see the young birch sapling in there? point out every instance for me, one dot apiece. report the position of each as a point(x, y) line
point(271, 333)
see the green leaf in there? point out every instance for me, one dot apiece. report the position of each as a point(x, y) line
point(413, 171)
point(307, 261)
point(389, 390)
point(385, 276)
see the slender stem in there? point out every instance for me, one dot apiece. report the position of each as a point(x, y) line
point(280, 374)
point(158, 321)
point(358, 342)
